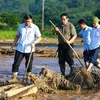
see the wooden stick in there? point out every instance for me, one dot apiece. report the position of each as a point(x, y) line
point(15, 93)
point(68, 44)
point(24, 77)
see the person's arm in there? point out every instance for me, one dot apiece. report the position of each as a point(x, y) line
point(55, 31)
point(15, 42)
point(73, 34)
point(38, 39)
point(72, 39)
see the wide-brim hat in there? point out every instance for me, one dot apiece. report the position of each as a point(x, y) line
point(95, 19)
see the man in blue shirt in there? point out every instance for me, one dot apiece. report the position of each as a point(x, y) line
point(28, 35)
point(85, 34)
point(95, 44)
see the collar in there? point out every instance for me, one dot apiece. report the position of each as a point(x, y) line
point(98, 26)
point(64, 25)
point(29, 26)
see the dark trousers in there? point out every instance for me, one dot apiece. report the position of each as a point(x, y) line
point(86, 54)
point(94, 56)
point(65, 54)
point(18, 58)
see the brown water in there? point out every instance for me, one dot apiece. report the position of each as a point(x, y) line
point(51, 63)
point(38, 62)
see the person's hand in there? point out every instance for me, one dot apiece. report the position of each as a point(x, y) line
point(33, 45)
point(10, 49)
point(57, 29)
point(68, 42)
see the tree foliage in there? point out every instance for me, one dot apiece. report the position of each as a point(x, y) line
point(76, 9)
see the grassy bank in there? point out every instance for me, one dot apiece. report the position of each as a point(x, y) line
point(11, 34)
point(7, 34)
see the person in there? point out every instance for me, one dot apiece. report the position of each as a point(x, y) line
point(65, 53)
point(95, 43)
point(28, 35)
point(85, 34)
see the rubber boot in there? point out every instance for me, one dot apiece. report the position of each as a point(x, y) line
point(14, 79)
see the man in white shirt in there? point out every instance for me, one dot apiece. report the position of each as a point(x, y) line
point(85, 34)
point(95, 44)
point(28, 35)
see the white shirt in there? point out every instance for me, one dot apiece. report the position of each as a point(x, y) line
point(27, 37)
point(85, 34)
point(95, 38)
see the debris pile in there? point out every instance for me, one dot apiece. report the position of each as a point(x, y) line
point(49, 81)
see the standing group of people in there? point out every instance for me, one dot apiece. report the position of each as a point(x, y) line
point(28, 35)
point(91, 38)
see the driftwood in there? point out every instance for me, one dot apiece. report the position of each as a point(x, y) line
point(13, 94)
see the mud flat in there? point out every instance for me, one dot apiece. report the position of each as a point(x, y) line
point(46, 48)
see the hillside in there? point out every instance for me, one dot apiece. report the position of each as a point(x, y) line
point(52, 9)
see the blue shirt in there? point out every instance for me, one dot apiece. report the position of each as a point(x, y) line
point(95, 38)
point(85, 34)
point(27, 37)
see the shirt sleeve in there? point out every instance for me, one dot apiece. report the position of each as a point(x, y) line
point(80, 33)
point(73, 30)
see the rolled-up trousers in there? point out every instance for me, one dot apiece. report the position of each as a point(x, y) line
point(18, 58)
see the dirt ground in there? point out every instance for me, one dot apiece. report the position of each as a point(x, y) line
point(78, 41)
point(47, 47)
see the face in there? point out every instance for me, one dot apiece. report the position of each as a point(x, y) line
point(82, 26)
point(64, 20)
point(28, 22)
point(95, 24)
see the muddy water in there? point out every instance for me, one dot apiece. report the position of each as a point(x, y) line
point(51, 63)
point(38, 63)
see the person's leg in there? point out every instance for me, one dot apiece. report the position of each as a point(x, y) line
point(91, 59)
point(29, 68)
point(27, 57)
point(15, 67)
point(94, 57)
point(17, 60)
point(86, 55)
point(98, 60)
point(89, 67)
point(61, 59)
point(69, 57)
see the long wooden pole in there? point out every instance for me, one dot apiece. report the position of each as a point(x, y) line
point(43, 15)
point(68, 44)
